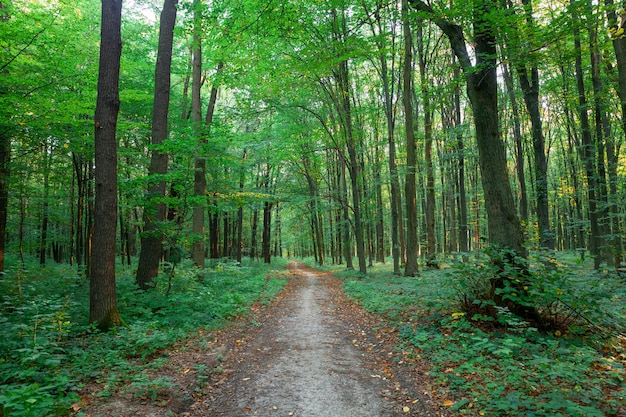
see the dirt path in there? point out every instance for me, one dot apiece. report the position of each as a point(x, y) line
point(312, 353)
point(311, 358)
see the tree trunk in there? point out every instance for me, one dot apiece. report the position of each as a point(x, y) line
point(519, 145)
point(239, 248)
point(266, 247)
point(5, 163)
point(411, 268)
point(428, 151)
point(530, 88)
point(587, 151)
point(103, 300)
point(199, 174)
point(155, 212)
point(505, 229)
point(460, 179)
point(43, 244)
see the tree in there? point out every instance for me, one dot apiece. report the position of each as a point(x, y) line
point(411, 157)
point(199, 173)
point(155, 211)
point(482, 89)
point(103, 301)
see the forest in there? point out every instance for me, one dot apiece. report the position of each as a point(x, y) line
point(457, 164)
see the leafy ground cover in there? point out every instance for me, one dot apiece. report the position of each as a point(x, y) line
point(48, 352)
point(509, 368)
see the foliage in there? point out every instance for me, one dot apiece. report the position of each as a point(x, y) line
point(510, 369)
point(47, 352)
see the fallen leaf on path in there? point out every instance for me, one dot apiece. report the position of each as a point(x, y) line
point(448, 403)
point(406, 409)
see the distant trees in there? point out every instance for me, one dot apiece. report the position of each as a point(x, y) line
point(347, 131)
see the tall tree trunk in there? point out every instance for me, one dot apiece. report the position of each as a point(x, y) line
point(602, 132)
point(253, 232)
point(462, 195)
point(103, 309)
point(396, 208)
point(43, 244)
point(587, 151)
point(155, 212)
point(530, 88)
point(242, 177)
point(199, 173)
point(428, 151)
point(519, 145)
point(266, 247)
point(345, 221)
point(411, 268)
point(5, 163)
point(344, 108)
point(482, 88)
point(619, 47)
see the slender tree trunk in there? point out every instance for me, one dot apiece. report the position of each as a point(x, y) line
point(411, 268)
point(396, 209)
point(345, 221)
point(5, 163)
point(103, 300)
point(587, 152)
point(43, 244)
point(428, 151)
point(253, 237)
point(199, 187)
point(266, 246)
point(519, 145)
point(462, 195)
point(155, 212)
point(239, 248)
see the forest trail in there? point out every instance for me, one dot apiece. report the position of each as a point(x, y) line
point(310, 357)
point(311, 353)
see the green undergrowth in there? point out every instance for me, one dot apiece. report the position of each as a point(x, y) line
point(504, 366)
point(48, 352)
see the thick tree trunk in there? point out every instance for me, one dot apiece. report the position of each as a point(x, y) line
point(482, 87)
point(411, 268)
point(103, 300)
point(619, 47)
point(155, 212)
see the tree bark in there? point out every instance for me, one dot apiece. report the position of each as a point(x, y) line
point(587, 152)
point(103, 300)
point(482, 89)
point(411, 268)
point(199, 173)
point(428, 151)
point(155, 212)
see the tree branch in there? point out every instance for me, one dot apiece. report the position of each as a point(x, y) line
point(452, 31)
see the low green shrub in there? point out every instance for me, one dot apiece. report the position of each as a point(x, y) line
point(48, 351)
point(501, 366)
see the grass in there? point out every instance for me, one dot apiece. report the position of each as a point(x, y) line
point(48, 351)
point(510, 368)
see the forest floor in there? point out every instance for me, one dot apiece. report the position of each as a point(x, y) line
point(312, 352)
